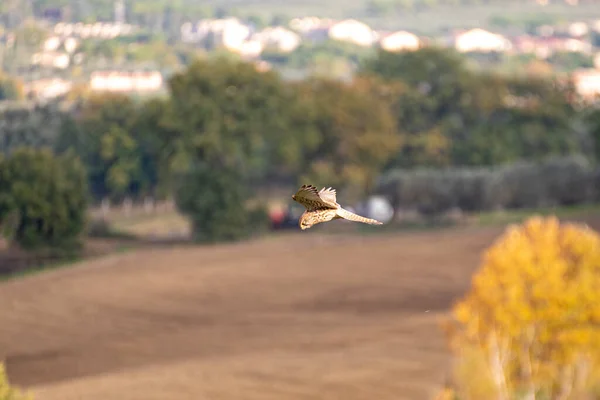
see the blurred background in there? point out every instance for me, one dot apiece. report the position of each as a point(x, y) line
point(150, 248)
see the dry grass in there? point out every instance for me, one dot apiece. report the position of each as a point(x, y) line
point(299, 316)
point(158, 224)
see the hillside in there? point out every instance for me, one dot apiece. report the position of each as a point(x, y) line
point(421, 16)
point(290, 317)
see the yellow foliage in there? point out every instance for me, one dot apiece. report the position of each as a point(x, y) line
point(533, 311)
point(6, 391)
point(445, 394)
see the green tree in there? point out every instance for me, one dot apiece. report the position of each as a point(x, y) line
point(226, 116)
point(32, 125)
point(592, 120)
point(453, 115)
point(216, 203)
point(229, 113)
point(355, 134)
point(157, 146)
point(10, 89)
point(436, 90)
point(45, 196)
point(104, 140)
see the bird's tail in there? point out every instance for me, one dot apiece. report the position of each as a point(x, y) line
point(345, 214)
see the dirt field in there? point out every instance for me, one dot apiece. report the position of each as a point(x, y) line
point(300, 316)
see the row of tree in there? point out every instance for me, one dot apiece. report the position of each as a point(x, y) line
point(226, 125)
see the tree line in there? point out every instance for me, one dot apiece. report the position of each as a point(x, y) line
point(226, 126)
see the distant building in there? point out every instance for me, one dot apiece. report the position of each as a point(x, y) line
point(544, 47)
point(578, 29)
point(228, 32)
point(124, 81)
point(53, 43)
point(101, 30)
point(398, 41)
point(587, 83)
point(278, 38)
point(307, 24)
point(45, 89)
point(52, 59)
point(481, 40)
point(353, 31)
point(251, 48)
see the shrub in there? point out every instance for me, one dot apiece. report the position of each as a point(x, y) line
point(44, 197)
point(569, 180)
point(596, 184)
point(555, 181)
point(216, 202)
point(529, 327)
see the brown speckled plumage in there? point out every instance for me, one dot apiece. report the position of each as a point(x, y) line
point(321, 206)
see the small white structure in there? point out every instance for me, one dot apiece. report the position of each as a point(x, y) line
point(379, 208)
point(98, 29)
point(51, 59)
point(578, 29)
point(351, 30)
point(481, 40)
point(587, 83)
point(401, 40)
point(228, 32)
point(45, 89)
point(278, 38)
point(232, 36)
point(121, 81)
point(251, 49)
point(307, 24)
point(52, 43)
point(70, 44)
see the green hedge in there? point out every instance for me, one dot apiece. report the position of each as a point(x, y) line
point(525, 184)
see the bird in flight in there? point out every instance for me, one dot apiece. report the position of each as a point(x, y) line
point(322, 206)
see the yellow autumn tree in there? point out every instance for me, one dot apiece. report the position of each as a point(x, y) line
point(530, 326)
point(6, 391)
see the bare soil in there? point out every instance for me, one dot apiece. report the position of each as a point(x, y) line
point(299, 316)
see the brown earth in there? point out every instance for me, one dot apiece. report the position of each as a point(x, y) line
point(299, 316)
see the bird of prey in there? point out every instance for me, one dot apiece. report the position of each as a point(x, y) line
point(322, 206)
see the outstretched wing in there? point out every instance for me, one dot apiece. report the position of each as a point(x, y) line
point(328, 195)
point(311, 199)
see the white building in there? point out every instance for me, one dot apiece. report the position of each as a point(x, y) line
point(51, 59)
point(587, 83)
point(52, 43)
point(307, 24)
point(101, 30)
point(228, 32)
point(251, 48)
point(481, 40)
point(401, 40)
point(120, 81)
point(351, 30)
point(44, 89)
point(278, 38)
